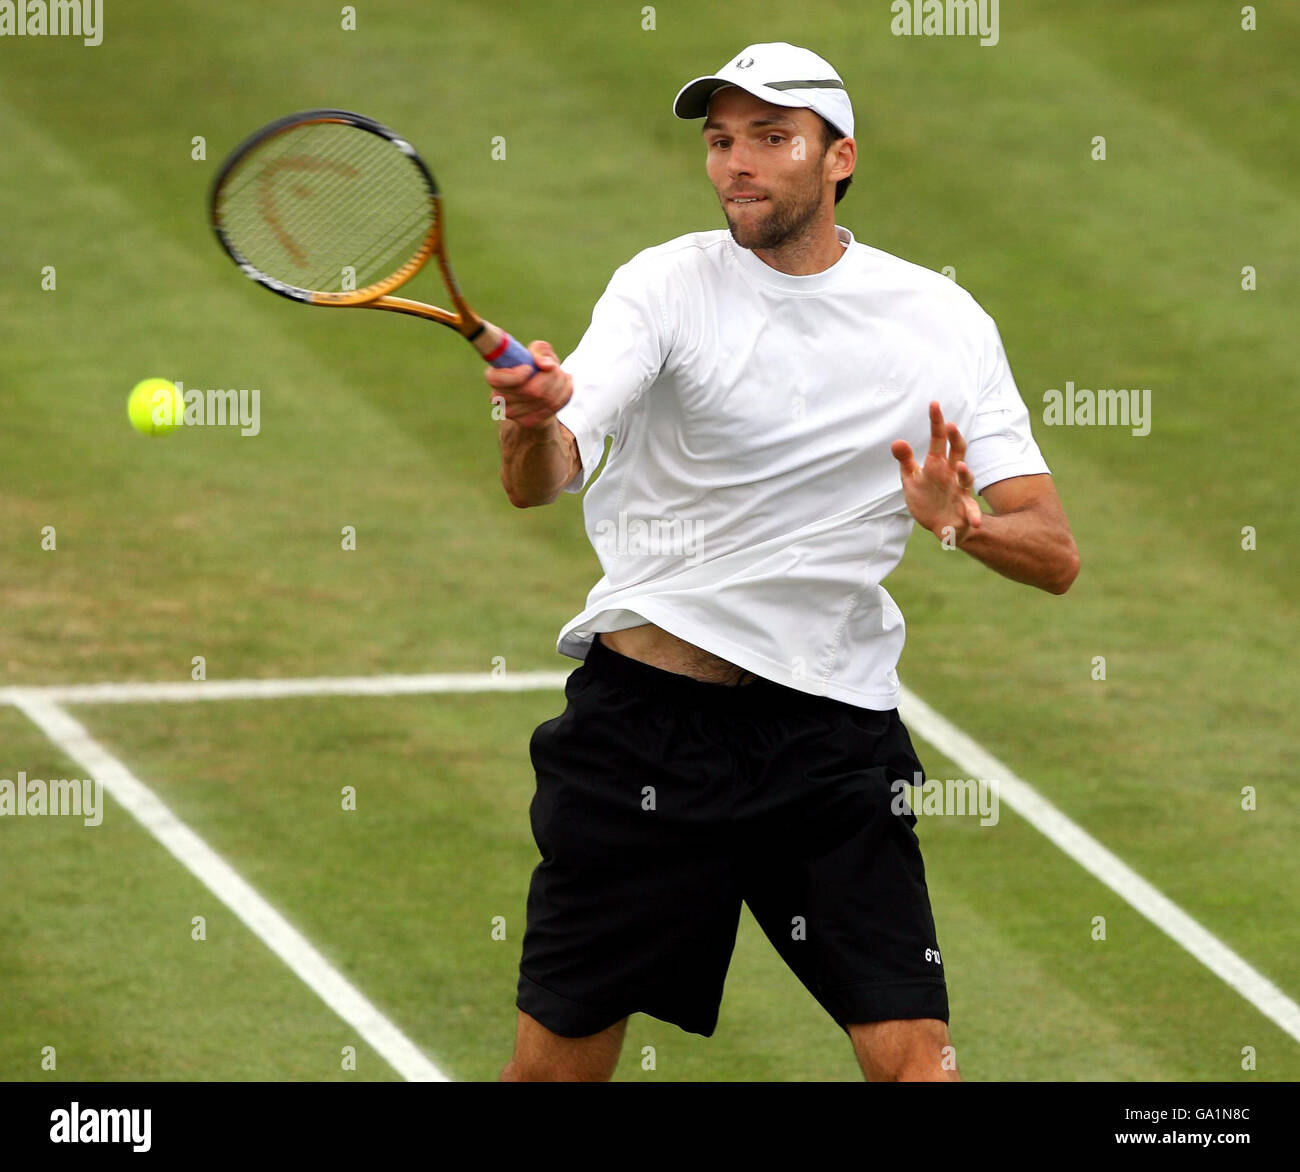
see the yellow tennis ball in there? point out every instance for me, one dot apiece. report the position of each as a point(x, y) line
point(155, 407)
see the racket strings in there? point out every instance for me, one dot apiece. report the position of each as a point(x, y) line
point(334, 214)
point(414, 225)
point(321, 213)
point(320, 199)
point(372, 239)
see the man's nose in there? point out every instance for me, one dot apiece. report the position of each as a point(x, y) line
point(740, 161)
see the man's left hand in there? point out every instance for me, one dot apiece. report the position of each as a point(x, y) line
point(940, 492)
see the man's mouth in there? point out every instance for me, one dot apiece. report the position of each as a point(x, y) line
point(744, 199)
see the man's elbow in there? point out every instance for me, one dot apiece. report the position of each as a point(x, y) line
point(1066, 572)
point(523, 501)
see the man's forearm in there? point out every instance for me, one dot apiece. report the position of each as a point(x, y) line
point(536, 462)
point(1026, 546)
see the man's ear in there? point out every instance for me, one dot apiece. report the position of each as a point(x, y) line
point(838, 149)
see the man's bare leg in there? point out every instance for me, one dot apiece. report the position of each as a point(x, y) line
point(541, 1056)
point(919, 1050)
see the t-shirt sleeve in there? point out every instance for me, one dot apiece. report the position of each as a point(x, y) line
point(1000, 443)
point(620, 355)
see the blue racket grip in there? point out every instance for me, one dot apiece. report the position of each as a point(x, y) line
point(513, 355)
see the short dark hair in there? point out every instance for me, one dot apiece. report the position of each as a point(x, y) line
point(830, 135)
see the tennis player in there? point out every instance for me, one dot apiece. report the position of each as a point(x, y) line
point(732, 733)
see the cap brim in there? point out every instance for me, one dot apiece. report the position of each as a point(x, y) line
point(692, 99)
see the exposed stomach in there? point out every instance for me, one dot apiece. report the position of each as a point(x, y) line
point(655, 646)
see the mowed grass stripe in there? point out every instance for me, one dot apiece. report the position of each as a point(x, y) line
point(1245, 84)
point(98, 960)
point(267, 924)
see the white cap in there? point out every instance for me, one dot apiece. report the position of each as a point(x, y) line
point(782, 74)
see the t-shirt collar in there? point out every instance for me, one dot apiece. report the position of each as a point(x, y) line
point(809, 283)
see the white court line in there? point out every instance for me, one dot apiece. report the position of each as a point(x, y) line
point(1098, 861)
point(227, 885)
point(129, 693)
point(924, 720)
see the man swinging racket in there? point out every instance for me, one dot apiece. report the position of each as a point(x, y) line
point(732, 734)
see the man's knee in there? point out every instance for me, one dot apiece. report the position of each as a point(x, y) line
point(543, 1056)
point(917, 1050)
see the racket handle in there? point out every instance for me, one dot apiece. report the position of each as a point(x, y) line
point(508, 352)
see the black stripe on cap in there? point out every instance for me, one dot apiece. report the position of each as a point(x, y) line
point(804, 85)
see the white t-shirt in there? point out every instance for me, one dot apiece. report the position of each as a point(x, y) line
point(750, 504)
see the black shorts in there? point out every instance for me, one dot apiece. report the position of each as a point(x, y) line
point(663, 802)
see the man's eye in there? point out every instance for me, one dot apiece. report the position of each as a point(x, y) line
point(718, 142)
point(776, 139)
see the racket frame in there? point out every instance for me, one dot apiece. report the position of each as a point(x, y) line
point(376, 295)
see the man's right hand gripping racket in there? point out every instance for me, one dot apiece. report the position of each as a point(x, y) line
point(332, 208)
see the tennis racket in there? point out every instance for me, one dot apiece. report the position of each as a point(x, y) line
point(332, 208)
